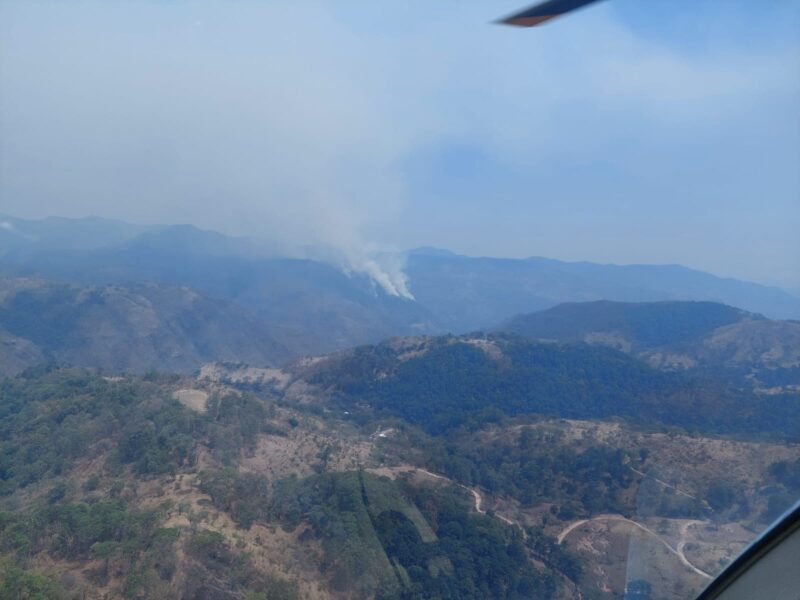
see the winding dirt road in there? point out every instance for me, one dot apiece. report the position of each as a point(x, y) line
point(679, 551)
point(568, 529)
point(478, 499)
point(682, 545)
point(476, 496)
point(676, 551)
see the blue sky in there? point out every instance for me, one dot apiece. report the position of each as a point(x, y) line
point(664, 131)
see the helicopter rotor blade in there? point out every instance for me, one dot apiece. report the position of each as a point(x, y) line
point(543, 12)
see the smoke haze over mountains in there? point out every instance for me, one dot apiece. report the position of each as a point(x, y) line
point(620, 136)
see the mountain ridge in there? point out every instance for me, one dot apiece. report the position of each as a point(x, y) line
point(446, 382)
point(125, 328)
point(733, 343)
point(486, 290)
point(311, 306)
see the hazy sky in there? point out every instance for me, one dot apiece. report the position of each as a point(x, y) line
point(661, 131)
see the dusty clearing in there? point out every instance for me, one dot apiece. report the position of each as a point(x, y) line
point(194, 399)
point(218, 373)
point(619, 550)
point(302, 452)
point(677, 551)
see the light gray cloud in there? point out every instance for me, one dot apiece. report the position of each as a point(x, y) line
point(295, 121)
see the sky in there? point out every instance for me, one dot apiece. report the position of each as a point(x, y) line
point(665, 131)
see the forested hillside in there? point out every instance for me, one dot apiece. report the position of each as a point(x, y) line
point(109, 487)
point(743, 348)
point(134, 327)
point(638, 326)
point(443, 383)
point(75, 447)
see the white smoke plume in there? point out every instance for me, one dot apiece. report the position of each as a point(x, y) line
point(385, 270)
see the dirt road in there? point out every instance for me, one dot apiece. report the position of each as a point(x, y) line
point(477, 498)
point(478, 502)
point(664, 483)
point(682, 545)
point(676, 551)
point(476, 495)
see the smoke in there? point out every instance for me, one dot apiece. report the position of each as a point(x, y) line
point(388, 273)
point(385, 269)
point(221, 117)
point(335, 125)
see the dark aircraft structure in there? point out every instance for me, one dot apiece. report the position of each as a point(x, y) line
point(767, 569)
point(543, 12)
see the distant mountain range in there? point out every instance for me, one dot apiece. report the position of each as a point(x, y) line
point(286, 307)
point(310, 306)
point(475, 293)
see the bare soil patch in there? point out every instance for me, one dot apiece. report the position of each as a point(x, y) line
point(193, 399)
